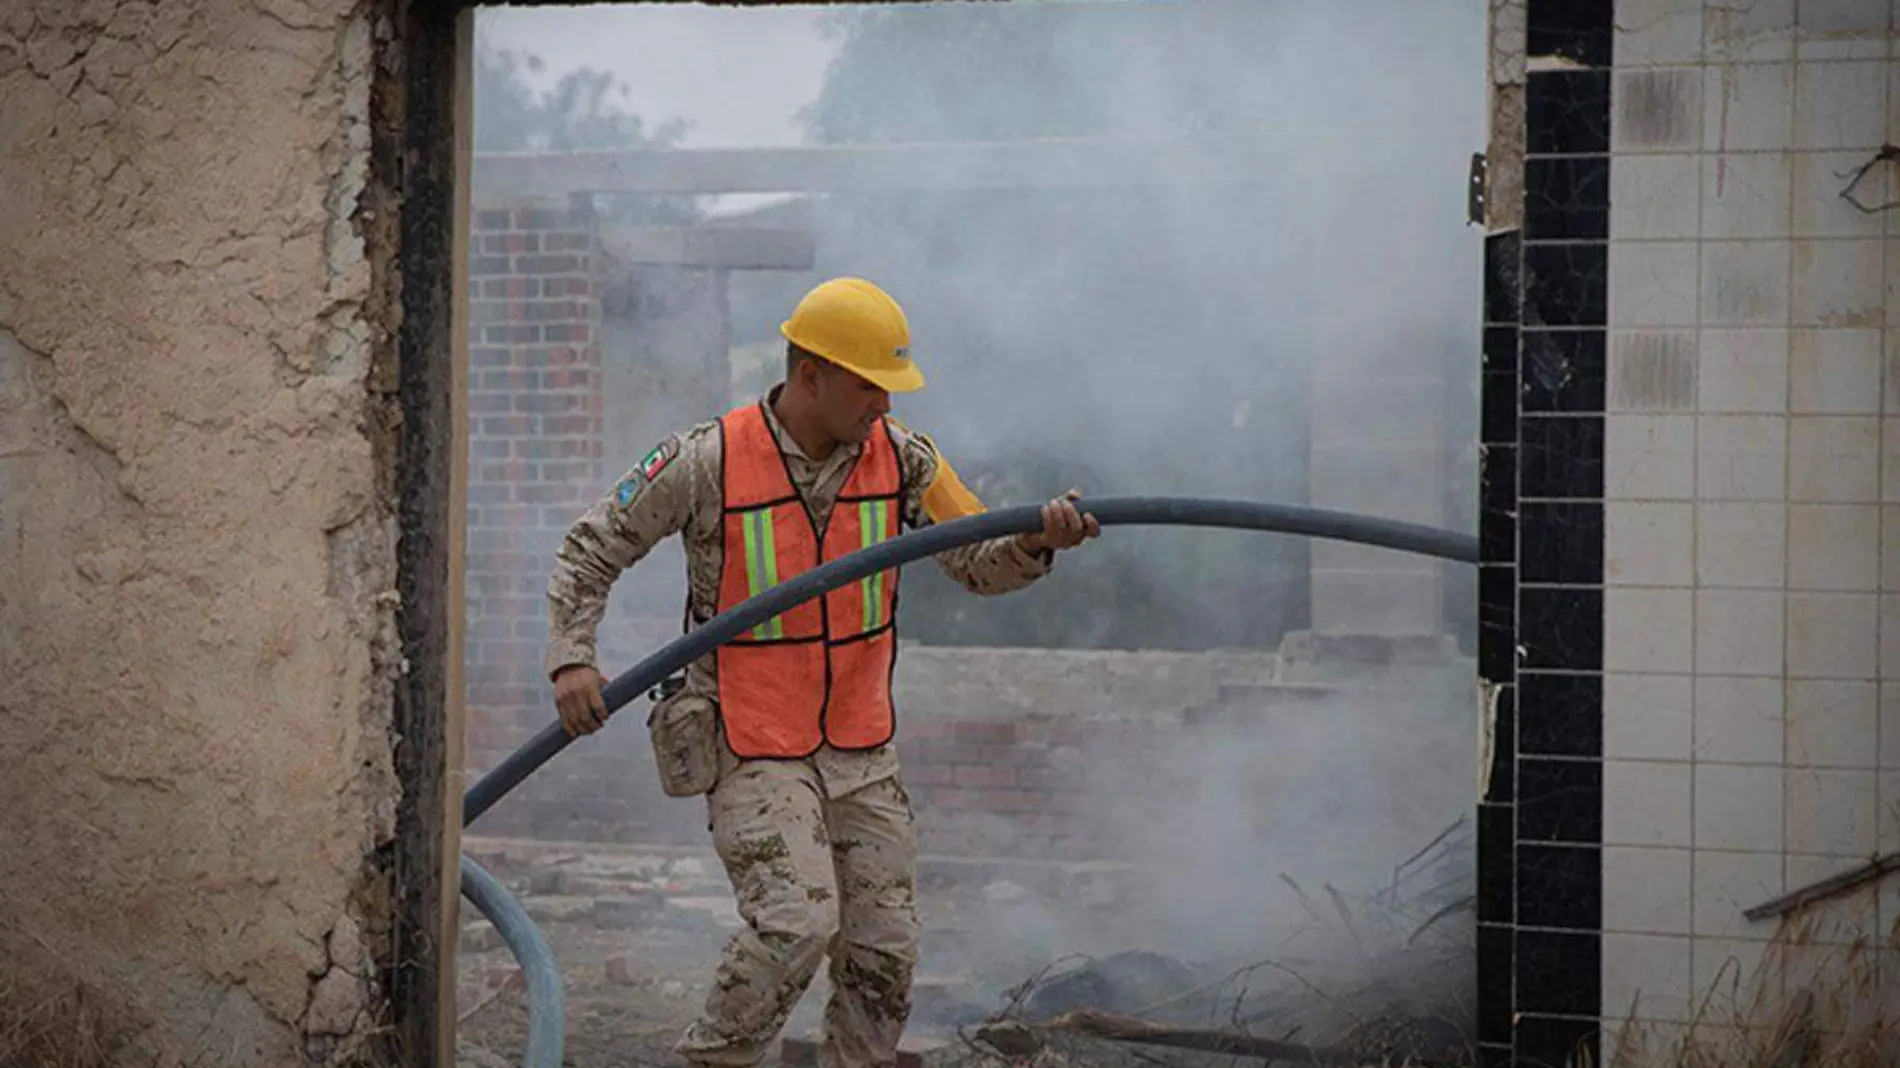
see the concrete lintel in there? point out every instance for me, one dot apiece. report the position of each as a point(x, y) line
point(737, 248)
point(1049, 163)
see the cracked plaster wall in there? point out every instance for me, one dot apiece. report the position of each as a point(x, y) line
point(195, 526)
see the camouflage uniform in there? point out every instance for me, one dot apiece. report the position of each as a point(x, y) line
point(821, 852)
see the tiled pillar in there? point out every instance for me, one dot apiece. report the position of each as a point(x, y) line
point(1691, 587)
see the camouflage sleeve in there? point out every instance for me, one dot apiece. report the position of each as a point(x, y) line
point(936, 495)
point(651, 502)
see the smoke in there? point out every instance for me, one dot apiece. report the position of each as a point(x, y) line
point(1164, 339)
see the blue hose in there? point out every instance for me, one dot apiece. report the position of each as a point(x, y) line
point(545, 1022)
point(546, 1013)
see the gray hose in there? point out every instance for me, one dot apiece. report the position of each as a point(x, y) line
point(546, 1012)
point(545, 1022)
point(1110, 511)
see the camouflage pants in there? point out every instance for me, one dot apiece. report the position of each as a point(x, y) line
point(815, 877)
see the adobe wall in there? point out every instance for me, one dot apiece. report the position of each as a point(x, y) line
point(196, 534)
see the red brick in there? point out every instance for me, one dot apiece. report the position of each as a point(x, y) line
point(490, 220)
point(505, 425)
point(568, 242)
point(510, 335)
point(490, 357)
point(543, 264)
point(549, 403)
point(542, 219)
point(623, 969)
point(983, 775)
point(572, 332)
point(486, 265)
point(928, 775)
point(1015, 800)
point(985, 731)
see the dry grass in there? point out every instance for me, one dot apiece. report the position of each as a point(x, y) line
point(1808, 1005)
point(64, 1029)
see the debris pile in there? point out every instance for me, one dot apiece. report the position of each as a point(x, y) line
point(1386, 979)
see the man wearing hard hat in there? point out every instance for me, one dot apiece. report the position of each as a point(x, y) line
point(787, 728)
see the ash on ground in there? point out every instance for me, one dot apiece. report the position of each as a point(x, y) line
point(1375, 974)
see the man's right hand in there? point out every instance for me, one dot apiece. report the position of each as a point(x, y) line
point(577, 696)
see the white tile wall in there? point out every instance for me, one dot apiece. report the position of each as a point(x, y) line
point(1647, 891)
point(1829, 723)
point(1833, 635)
point(1743, 371)
point(1834, 458)
point(1745, 195)
point(1840, 105)
point(1651, 543)
point(1741, 545)
point(1772, 759)
point(1648, 803)
point(1738, 632)
point(1739, 720)
point(1647, 977)
point(1655, 32)
point(1738, 807)
point(1648, 630)
point(1835, 372)
point(1741, 458)
point(1727, 885)
point(1837, 282)
point(1650, 457)
point(1744, 283)
point(1748, 107)
point(1653, 283)
point(1830, 812)
point(1652, 717)
point(1659, 193)
point(1834, 547)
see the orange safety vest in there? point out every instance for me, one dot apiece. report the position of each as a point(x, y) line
point(820, 672)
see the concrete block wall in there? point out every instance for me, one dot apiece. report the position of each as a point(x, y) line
point(1690, 595)
point(535, 457)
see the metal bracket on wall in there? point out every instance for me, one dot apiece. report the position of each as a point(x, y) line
point(1474, 190)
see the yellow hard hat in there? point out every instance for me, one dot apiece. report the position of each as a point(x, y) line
point(859, 327)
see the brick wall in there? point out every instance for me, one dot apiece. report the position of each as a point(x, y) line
point(1023, 753)
point(535, 451)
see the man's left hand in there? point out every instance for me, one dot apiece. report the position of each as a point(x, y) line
point(1064, 526)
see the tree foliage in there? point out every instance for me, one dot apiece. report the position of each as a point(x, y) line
point(583, 111)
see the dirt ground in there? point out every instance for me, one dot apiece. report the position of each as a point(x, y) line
point(637, 934)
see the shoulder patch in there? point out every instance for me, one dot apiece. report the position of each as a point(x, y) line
point(635, 481)
point(655, 462)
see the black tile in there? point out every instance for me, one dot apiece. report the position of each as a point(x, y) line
point(1500, 349)
point(1558, 972)
point(1497, 506)
point(1560, 628)
point(1497, 971)
point(1497, 622)
point(1566, 285)
point(1567, 112)
point(1578, 30)
point(1544, 1042)
point(1563, 370)
point(1503, 278)
point(1497, 864)
point(1496, 1055)
point(1567, 198)
point(1560, 456)
point(1559, 715)
point(1560, 542)
point(1498, 408)
point(1560, 886)
point(1502, 782)
point(1559, 801)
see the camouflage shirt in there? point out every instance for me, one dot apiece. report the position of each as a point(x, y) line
point(676, 490)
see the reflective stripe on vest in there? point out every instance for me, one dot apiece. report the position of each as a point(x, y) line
point(820, 671)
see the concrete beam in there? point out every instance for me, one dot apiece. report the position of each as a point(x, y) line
point(912, 166)
point(737, 248)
